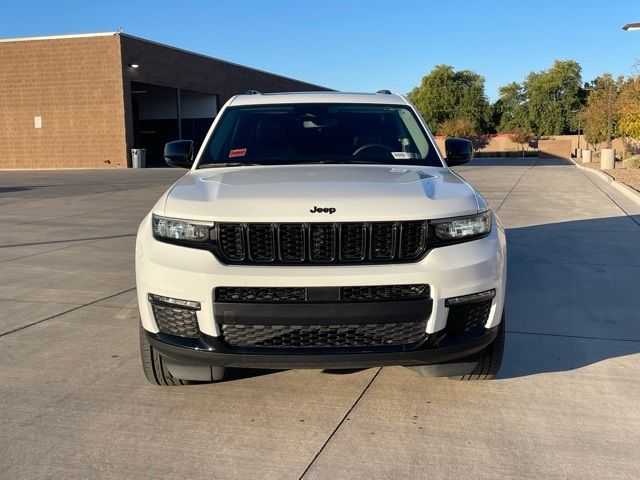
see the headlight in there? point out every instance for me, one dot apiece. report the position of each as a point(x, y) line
point(463, 227)
point(180, 230)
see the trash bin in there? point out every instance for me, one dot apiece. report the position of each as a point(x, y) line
point(138, 157)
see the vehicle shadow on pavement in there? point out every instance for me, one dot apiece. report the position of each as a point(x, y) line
point(241, 373)
point(571, 295)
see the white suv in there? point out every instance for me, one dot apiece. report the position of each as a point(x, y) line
point(320, 230)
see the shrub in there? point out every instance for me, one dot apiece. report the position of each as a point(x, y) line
point(632, 162)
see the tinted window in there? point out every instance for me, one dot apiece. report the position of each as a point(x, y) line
point(325, 133)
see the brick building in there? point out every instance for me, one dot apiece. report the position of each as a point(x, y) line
point(84, 101)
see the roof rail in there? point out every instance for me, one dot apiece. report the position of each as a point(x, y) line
point(252, 92)
point(385, 92)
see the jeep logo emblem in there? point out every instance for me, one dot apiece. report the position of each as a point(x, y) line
point(329, 210)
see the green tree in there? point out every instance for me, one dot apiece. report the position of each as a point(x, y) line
point(628, 108)
point(510, 110)
point(522, 136)
point(552, 95)
point(446, 95)
point(461, 128)
point(601, 99)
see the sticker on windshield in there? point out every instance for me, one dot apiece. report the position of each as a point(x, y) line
point(402, 155)
point(238, 152)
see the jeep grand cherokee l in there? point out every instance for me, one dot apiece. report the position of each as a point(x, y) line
point(320, 230)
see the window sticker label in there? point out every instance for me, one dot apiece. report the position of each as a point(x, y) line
point(238, 152)
point(402, 155)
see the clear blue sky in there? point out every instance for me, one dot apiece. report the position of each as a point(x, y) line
point(364, 45)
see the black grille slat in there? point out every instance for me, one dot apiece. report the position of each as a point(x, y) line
point(261, 294)
point(412, 239)
point(261, 242)
point(384, 292)
point(319, 336)
point(383, 241)
point(323, 242)
point(291, 242)
point(352, 241)
point(231, 239)
point(349, 242)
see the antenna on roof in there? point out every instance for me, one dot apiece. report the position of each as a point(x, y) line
point(252, 92)
point(119, 30)
point(385, 92)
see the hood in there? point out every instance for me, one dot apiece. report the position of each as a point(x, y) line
point(341, 193)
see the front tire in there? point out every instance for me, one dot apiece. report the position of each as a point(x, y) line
point(490, 359)
point(486, 366)
point(153, 365)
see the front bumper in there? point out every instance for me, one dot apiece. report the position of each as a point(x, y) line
point(211, 351)
point(192, 274)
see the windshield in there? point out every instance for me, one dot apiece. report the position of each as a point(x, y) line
point(318, 133)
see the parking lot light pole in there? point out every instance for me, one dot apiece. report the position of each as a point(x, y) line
point(579, 112)
point(609, 114)
point(631, 26)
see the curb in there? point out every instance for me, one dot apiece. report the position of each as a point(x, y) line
point(626, 190)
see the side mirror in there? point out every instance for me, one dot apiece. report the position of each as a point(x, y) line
point(179, 153)
point(458, 150)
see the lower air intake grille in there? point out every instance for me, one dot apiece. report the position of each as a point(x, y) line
point(260, 294)
point(467, 317)
point(369, 293)
point(319, 336)
point(384, 292)
point(181, 322)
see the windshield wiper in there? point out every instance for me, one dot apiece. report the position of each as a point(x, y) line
point(230, 164)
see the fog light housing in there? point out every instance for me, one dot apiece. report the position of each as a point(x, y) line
point(472, 298)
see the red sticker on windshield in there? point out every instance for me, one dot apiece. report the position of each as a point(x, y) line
point(238, 152)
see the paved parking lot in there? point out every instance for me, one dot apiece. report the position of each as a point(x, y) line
point(74, 402)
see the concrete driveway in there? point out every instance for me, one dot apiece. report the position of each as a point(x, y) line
point(74, 402)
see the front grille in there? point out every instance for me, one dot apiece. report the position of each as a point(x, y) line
point(260, 294)
point(319, 336)
point(334, 243)
point(467, 317)
point(176, 321)
point(384, 292)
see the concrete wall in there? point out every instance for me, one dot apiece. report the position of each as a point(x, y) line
point(557, 146)
point(75, 86)
point(554, 148)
